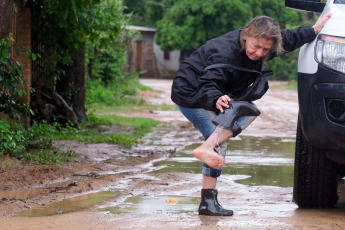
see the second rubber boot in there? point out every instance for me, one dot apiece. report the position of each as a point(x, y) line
point(236, 110)
point(209, 205)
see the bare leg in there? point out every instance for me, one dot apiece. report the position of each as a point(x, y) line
point(209, 182)
point(206, 152)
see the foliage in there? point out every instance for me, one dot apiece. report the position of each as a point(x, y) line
point(31, 144)
point(11, 82)
point(61, 28)
point(120, 92)
point(146, 13)
point(185, 24)
point(64, 25)
point(11, 141)
point(285, 67)
point(105, 46)
point(15, 139)
point(188, 24)
point(277, 10)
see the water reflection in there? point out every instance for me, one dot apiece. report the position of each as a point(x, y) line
point(267, 160)
point(71, 205)
point(158, 204)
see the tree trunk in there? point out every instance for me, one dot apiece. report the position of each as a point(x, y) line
point(6, 13)
point(72, 87)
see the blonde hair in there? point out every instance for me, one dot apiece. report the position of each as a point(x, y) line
point(265, 27)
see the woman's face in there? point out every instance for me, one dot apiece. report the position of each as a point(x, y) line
point(257, 47)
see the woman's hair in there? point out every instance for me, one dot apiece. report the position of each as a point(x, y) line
point(266, 27)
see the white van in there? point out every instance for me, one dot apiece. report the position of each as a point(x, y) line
point(320, 138)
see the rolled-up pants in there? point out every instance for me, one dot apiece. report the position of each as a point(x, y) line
point(202, 120)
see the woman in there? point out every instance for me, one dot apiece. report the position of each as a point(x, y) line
point(201, 92)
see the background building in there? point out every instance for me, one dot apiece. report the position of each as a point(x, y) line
point(145, 55)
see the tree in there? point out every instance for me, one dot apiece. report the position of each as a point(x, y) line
point(146, 13)
point(188, 24)
point(105, 46)
point(276, 9)
point(62, 30)
point(72, 87)
point(59, 30)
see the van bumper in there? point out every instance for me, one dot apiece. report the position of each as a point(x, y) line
point(322, 110)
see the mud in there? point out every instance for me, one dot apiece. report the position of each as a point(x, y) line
point(156, 183)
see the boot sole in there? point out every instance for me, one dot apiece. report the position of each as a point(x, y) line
point(216, 214)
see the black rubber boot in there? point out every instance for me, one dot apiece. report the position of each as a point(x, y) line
point(209, 205)
point(236, 110)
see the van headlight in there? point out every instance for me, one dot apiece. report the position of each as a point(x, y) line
point(330, 52)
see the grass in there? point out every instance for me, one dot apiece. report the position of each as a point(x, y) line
point(48, 156)
point(291, 85)
point(101, 109)
point(87, 133)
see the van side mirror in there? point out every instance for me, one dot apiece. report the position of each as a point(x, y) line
point(308, 5)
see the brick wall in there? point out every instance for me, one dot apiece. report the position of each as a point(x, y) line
point(23, 39)
point(21, 32)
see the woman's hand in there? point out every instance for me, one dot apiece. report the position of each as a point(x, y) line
point(319, 24)
point(223, 101)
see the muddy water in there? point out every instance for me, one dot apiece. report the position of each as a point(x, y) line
point(256, 183)
point(265, 161)
point(253, 164)
point(71, 205)
point(251, 161)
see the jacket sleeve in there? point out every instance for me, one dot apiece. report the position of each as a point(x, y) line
point(210, 87)
point(293, 39)
point(211, 83)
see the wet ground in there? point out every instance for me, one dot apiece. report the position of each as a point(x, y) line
point(156, 184)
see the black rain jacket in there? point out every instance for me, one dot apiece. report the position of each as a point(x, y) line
point(194, 87)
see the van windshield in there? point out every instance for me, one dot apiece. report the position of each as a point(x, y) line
point(339, 1)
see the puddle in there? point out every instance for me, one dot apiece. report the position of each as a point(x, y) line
point(266, 160)
point(156, 205)
point(71, 205)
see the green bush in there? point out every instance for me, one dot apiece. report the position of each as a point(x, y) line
point(15, 139)
point(33, 144)
point(11, 141)
point(284, 67)
point(120, 92)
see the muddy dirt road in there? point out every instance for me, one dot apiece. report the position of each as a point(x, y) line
point(156, 183)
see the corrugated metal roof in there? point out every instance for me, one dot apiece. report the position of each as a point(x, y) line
point(140, 28)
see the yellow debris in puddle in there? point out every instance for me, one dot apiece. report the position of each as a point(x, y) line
point(173, 201)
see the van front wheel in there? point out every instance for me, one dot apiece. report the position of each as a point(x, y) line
point(315, 176)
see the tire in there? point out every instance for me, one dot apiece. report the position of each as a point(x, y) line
point(315, 176)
